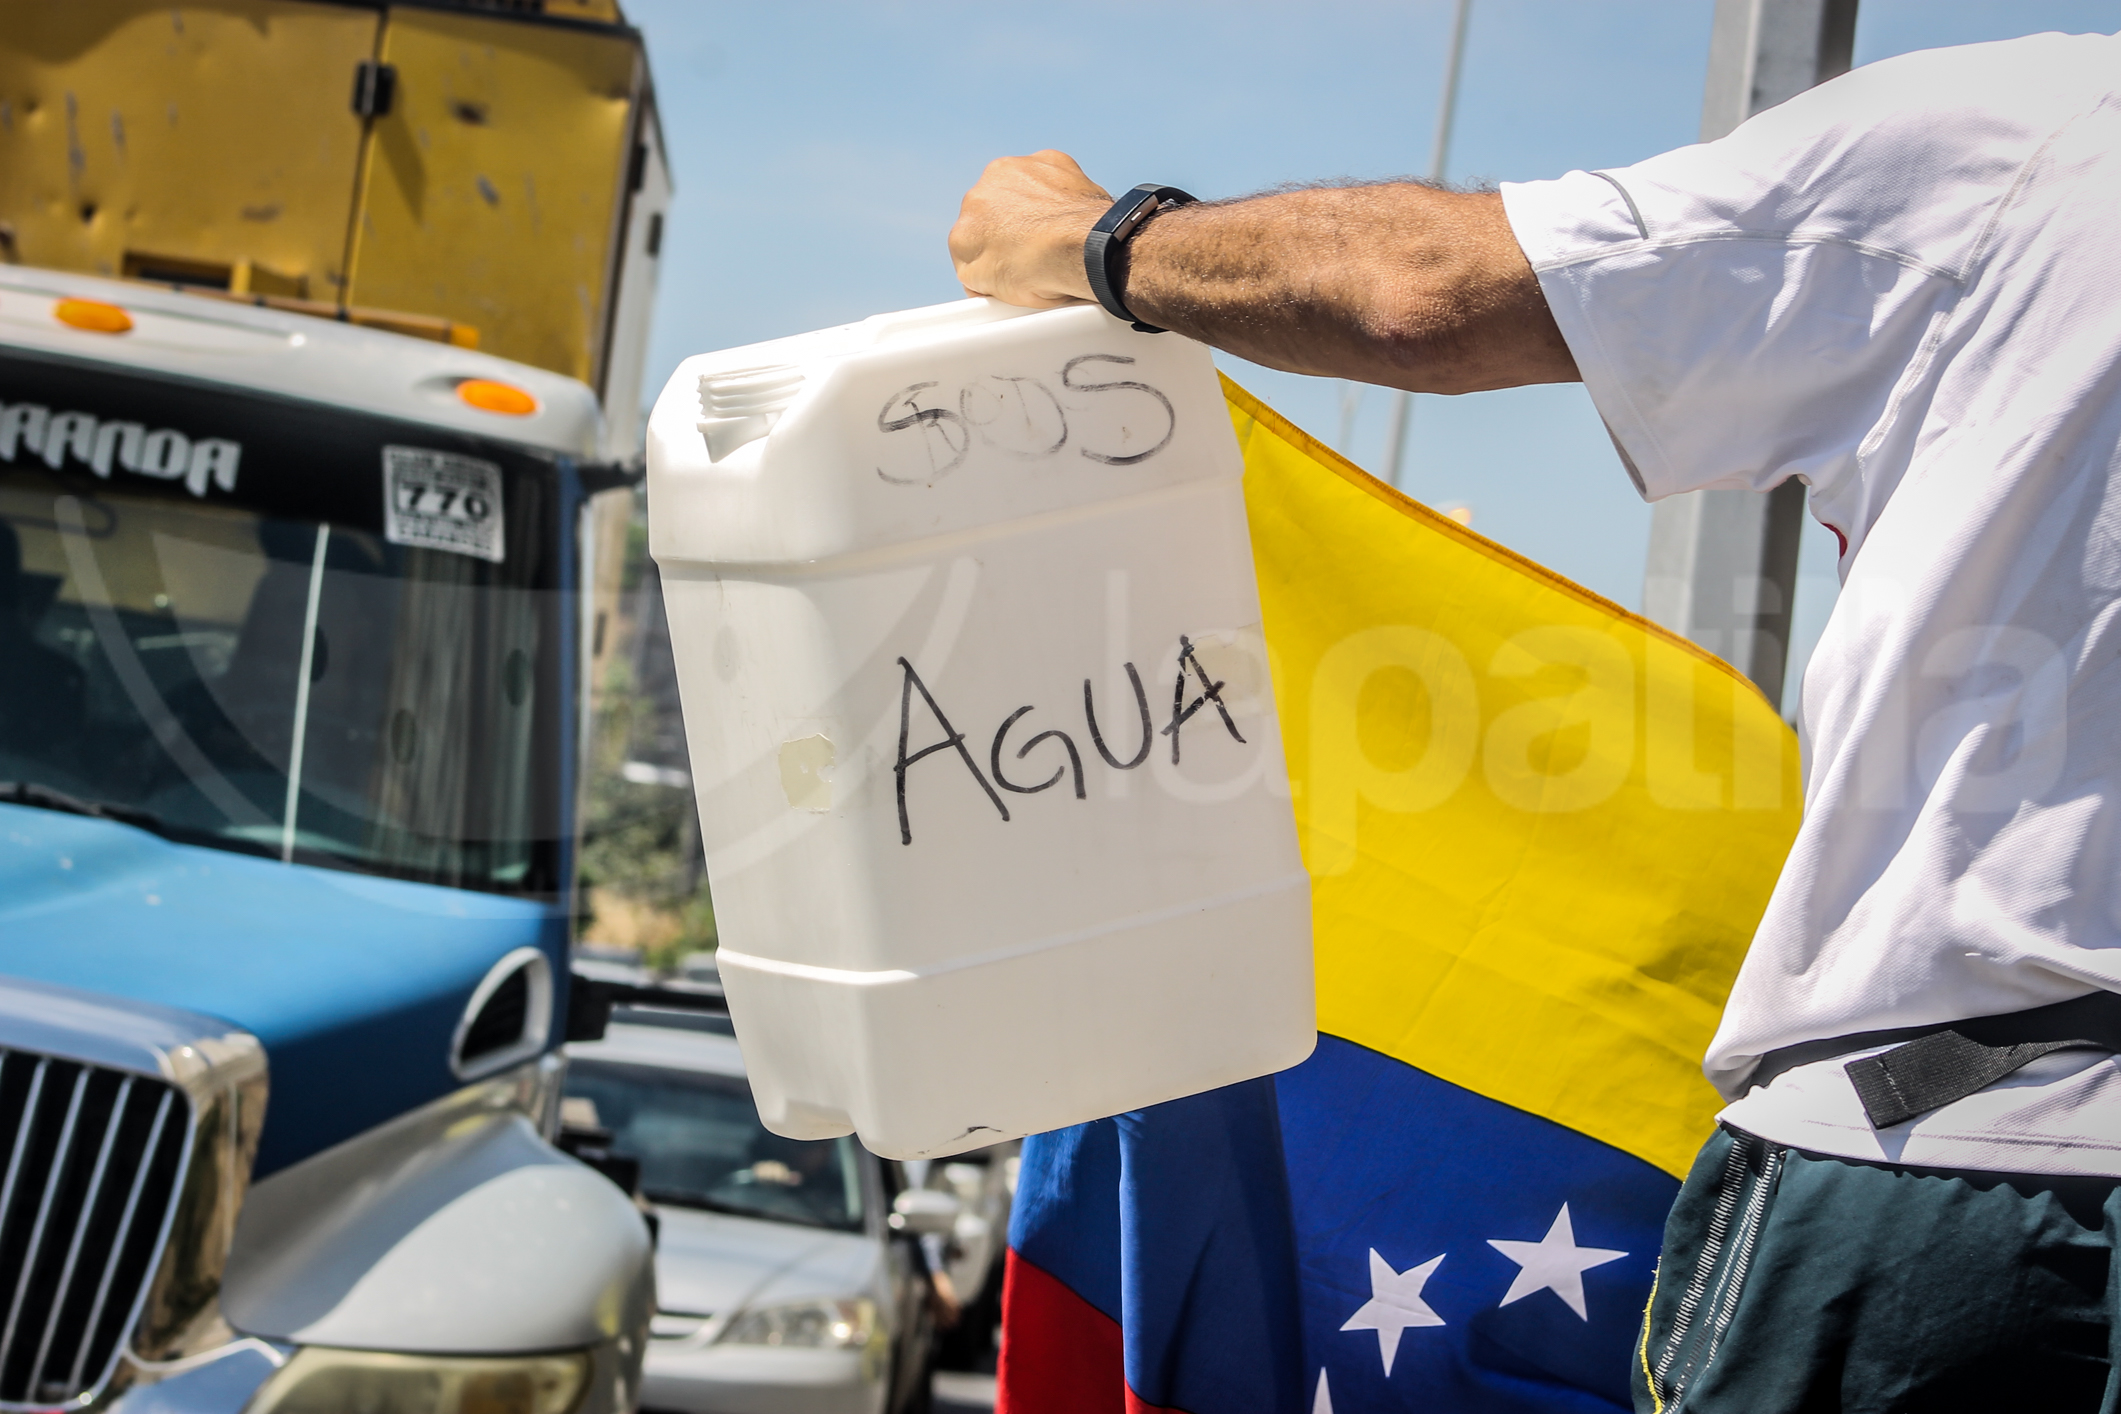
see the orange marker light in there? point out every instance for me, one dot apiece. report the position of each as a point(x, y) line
point(93, 315)
point(489, 396)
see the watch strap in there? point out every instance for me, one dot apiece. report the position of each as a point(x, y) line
point(1101, 248)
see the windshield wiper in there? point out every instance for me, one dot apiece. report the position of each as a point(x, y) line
point(43, 797)
point(682, 1199)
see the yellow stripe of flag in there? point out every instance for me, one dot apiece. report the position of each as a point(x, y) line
point(1540, 829)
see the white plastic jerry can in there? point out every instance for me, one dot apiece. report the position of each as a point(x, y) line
point(981, 726)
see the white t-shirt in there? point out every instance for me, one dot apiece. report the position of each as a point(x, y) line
point(1904, 287)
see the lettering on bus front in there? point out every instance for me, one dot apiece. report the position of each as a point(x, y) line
point(32, 430)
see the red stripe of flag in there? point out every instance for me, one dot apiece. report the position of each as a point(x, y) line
point(1060, 1354)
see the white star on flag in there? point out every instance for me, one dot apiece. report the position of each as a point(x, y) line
point(1554, 1263)
point(1395, 1304)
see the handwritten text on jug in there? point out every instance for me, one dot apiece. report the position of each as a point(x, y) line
point(1208, 692)
point(1114, 422)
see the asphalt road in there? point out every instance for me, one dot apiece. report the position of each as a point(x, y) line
point(959, 1393)
point(966, 1392)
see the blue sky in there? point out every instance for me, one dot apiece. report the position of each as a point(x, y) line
point(820, 150)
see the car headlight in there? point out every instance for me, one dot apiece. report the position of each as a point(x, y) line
point(811, 1325)
point(324, 1381)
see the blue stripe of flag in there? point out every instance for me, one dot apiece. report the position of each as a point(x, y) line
point(1386, 1159)
point(1258, 1239)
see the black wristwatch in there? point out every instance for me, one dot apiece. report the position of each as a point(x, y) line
point(1103, 244)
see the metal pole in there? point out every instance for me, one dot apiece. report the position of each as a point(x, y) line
point(1447, 106)
point(1396, 437)
point(1350, 404)
point(1722, 565)
point(1439, 158)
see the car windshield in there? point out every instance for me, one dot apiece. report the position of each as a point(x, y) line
point(261, 656)
point(700, 1144)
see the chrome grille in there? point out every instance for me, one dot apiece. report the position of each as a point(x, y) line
point(92, 1162)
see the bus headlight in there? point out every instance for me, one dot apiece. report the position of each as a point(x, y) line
point(324, 1381)
point(810, 1325)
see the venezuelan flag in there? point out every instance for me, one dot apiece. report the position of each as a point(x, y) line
point(1540, 832)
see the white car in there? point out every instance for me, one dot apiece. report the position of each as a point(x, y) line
point(789, 1274)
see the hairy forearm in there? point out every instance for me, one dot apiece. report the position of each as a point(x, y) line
point(1398, 284)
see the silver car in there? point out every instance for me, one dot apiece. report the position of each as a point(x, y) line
point(789, 1274)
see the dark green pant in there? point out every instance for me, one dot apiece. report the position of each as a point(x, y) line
point(1793, 1282)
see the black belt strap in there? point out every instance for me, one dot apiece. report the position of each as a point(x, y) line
point(1935, 1065)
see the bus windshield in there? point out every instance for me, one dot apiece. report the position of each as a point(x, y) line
point(346, 687)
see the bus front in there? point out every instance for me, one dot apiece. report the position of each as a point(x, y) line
point(289, 694)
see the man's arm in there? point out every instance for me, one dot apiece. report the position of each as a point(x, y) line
point(1398, 284)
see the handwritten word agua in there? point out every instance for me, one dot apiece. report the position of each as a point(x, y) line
point(1209, 693)
point(1020, 417)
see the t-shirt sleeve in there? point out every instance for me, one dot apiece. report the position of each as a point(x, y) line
point(1743, 311)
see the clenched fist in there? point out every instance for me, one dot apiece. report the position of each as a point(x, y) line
point(1020, 231)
